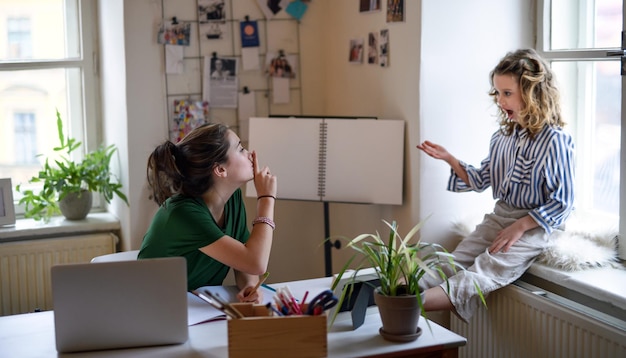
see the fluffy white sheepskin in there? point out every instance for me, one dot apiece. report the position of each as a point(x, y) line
point(585, 243)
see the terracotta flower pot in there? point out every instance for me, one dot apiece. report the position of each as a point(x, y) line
point(76, 206)
point(399, 315)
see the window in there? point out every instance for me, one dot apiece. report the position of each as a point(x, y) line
point(25, 139)
point(46, 63)
point(575, 36)
point(18, 38)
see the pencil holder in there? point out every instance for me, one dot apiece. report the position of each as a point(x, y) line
point(259, 334)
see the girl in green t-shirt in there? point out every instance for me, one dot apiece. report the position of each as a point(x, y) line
point(201, 216)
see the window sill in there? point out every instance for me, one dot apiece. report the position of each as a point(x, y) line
point(601, 289)
point(28, 229)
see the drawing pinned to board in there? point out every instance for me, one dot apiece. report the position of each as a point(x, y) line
point(188, 115)
point(213, 30)
point(356, 51)
point(384, 48)
point(272, 7)
point(372, 48)
point(395, 10)
point(369, 5)
point(174, 33)
point(281, 65)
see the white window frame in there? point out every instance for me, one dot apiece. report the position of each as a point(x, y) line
point(85, 112)
point(582, 132)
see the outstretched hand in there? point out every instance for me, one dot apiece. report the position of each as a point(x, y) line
point(264, 181)
point(434, 150)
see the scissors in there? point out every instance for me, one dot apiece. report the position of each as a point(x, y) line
point(322, 302)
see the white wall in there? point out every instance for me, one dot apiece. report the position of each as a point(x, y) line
point(461, 43)
point(437, 82)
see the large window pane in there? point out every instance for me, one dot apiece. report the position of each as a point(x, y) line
point(592, 106)
point(28, 102)
point(39, 29)
point(585, 24)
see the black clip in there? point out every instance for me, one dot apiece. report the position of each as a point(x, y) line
point(281, 53)
point(214, 54)
point(174, 21)
point(247, 18)
point(246, 90)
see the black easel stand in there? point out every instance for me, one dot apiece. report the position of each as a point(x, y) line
point(328, 245)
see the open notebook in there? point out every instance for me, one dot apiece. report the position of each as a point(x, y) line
point(120, 304)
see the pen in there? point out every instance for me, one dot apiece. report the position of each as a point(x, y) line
point(268, 287)
point(258, 284)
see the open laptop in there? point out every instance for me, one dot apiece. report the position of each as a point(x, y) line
point(120, 304)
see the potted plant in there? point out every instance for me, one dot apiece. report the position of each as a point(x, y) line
point(399, 264)
point(68, 185)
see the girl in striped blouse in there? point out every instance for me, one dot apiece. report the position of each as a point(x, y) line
point(530, 168)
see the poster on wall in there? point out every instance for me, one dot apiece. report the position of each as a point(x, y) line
point(220, 82)
point(187, 116)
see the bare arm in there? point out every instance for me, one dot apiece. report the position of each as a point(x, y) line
point(252, 257)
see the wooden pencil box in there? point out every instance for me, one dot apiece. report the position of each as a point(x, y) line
point(260, 335)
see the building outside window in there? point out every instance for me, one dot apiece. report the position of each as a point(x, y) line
point(25, 133)
point(19, 38)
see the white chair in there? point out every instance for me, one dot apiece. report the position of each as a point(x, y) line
point(118, 256)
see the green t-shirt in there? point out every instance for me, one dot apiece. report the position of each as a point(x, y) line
point(183, 225)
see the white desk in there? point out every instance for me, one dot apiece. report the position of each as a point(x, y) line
point(32, 335)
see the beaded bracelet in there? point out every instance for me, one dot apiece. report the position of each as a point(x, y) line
point(266, 196)
point(264, 220)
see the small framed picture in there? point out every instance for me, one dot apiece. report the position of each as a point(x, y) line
point(7, 211)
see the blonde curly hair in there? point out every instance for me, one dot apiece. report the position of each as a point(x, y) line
point(538, 88)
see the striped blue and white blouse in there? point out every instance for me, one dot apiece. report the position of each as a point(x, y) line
point(527, 173)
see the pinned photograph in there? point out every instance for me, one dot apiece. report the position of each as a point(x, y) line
point(372, 48)
point(281, 66)
point(174, 33)
point(384, 48)
point(223, 68)
point(356, 51)
point(395, 10)
point(369, 5)
point(211, 10)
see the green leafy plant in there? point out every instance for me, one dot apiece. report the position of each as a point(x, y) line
point(398, 263)
point(66, 176)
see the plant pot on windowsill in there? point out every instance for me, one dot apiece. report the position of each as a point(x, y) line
point(76, 206)
point(67, 182)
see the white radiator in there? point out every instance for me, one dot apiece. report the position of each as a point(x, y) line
point(25, 267)
point(520, 323)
